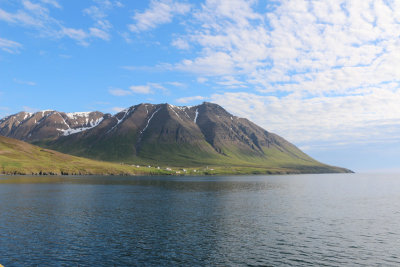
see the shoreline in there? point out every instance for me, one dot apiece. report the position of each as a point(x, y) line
point(199, 174)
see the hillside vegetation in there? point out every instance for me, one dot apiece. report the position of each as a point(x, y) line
point(17, 157)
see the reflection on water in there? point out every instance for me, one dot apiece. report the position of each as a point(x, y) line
point(329, 220)
point(168, 182)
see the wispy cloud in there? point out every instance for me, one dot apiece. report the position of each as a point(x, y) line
point(30, 83)
point(141, 89)
point(149, 88)
point(37, 15)
point(10, 46)
point(119, 92)
point(159, 12)
point(231, 82)
point(65, 56)
point(201, 79)
point(78, 35)
point(117, 109)
point(102, 34)
point(232, 38)
point(29, 109)
point(29, 17)
point(160, 67)
point(99, 10)
point(99, 13)
point(189, 99)
point(181, 44)
point(176, 84)
point(53, 3)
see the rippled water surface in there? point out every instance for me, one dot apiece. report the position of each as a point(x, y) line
point(302, 220)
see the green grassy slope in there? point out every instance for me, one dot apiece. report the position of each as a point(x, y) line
point(17, 157)
point(233, 160)
point(199, 156)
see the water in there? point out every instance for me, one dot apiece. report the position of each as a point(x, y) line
point(301, 220)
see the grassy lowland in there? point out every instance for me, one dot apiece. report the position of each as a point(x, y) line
point(17, 157)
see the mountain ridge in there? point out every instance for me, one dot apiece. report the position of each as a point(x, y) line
point(45, 124)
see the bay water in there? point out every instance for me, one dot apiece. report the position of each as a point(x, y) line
point(285, 220)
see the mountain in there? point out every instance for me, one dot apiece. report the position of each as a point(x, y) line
point(18, 157)
point(163, 134)
point(48, 124)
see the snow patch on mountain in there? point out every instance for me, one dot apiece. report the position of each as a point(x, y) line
point(70, 130)
point(172, 108)
point(48, 111)
point(197, 114)
point(73, 115)
point(127, 111)
point(148, 122)
point(27, 115)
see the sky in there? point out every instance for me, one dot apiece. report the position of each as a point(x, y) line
point(323, 74)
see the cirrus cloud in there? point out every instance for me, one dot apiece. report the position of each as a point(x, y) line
point(119, 92)
point(37, 15)
point(141, 89)
point(189, 99)
point(10, 46)
point(159, 12)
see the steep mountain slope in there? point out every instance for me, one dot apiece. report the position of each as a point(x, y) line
point(48, 124)
point(17, 157)
point(203, 135)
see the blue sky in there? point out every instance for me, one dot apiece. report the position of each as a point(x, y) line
point(323, 74)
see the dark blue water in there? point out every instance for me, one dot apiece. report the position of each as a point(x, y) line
point(301, 220)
